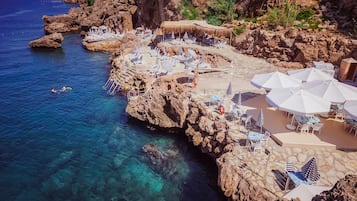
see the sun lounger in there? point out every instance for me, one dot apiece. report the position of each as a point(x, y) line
point(308, 174)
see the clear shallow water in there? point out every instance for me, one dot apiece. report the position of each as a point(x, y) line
point(78, 145)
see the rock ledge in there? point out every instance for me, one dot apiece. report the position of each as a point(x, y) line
point(48, 41)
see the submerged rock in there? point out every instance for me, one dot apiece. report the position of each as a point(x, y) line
point(168, 163)
point(59, 184)
point(48, 41)
point(62, 159)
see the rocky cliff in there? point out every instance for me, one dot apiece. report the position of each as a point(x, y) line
point(345, 189)
point(292, 45)
point(116, 14)
point(343, 13)
point(151, 13)
point(235, 184)
point(167, 104)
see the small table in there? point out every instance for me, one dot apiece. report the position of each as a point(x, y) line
point(313, 120)
point(305, 119)
point(253, 136)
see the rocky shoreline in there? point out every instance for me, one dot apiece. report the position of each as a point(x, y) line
point(167, 102)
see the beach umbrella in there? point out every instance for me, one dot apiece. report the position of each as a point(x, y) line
point(309, 74)
point(310, 171)
point(297, 101)
point(240, 98)
point(350, 107)
point(331, 90)
point(274, 80)
point(229, 89)
point(260, 120)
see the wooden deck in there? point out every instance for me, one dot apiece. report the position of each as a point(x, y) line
point(332, 134)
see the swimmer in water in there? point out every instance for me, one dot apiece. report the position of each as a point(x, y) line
point(64, 88)
point(54, 90)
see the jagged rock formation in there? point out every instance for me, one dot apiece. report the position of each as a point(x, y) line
point(167, 104)
point(163, 104)
point(116, 15)
point(102, 46)
point(61, 23)
point(296, 46)
point(48, 41)
point(234, 183)
point(345, 189)
point(75, 1)
point(343, 13)
point(151, 13)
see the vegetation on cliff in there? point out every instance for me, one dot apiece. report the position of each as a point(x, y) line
point(90, 2)
point(308, 15)
point(221, 11)
point(188, 10)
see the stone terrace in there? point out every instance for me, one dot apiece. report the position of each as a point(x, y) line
point(266, 168)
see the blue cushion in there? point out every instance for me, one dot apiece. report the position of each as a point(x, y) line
point(298, 178)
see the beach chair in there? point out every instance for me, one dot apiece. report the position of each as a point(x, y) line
point(339, 115)
point(258, 145)
point(308, 174)
point(317, 128)
point(305, 129)
point(354, 128)
point(247, 120)
point(348, 123)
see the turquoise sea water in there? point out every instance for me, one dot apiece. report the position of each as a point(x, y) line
point(79, 145)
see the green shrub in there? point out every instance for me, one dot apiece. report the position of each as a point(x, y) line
point(305, 14)
point(223, 10)
point(188, 11)
point(313, 24)
point(239, 30)
point(213, 20)
point(254, 20)
point(283, 16)
point(90, 2)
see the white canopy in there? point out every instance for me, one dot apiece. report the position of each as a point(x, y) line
point(309, 74)
point(305, 192)
point(297, 101)
point(331, 90)
point(274, 80)
point(350, 108)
